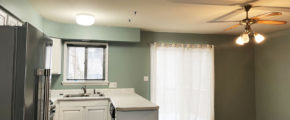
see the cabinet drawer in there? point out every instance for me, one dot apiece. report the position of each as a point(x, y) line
point(84, 103)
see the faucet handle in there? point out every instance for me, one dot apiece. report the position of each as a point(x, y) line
point(85, 89)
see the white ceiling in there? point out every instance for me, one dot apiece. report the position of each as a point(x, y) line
point(182, 16)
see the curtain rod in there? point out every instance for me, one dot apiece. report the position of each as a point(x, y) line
point(182, 44)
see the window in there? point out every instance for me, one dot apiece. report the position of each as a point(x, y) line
point(85, 63)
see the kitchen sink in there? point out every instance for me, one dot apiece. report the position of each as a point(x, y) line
point(77, 95)
point(83, 95)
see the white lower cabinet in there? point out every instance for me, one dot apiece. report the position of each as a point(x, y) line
point(82, 110)
point(96, 113)
point(71, 113)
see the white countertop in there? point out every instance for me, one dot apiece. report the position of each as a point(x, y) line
point(131, 102)
point(122, 101)
point(81, 98)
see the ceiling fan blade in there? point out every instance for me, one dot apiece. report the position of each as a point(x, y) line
point(215, 2)
point(269, 14)
point(228, 15)
point(232, 27)
point(273, 8)
point(222, 21)
point(273, 22)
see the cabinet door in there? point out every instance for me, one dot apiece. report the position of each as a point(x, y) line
point(56, 56)
point(72, 113)
point(97, 113)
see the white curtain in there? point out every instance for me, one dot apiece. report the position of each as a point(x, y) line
point(182, 81)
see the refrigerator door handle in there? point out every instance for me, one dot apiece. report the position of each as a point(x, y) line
point(46, 94)
point(46, 74)
point(43, 72)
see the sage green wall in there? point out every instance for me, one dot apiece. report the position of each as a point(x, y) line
point(74, 31)
point(234, 70)
point(272, 68)
point(23, 10)
point(128, 63)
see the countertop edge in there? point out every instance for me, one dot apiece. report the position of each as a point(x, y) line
point(108, 98)
point(137, 108)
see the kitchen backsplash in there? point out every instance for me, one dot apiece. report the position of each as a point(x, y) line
point(54, 94)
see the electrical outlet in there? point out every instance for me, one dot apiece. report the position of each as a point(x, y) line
point(113, 85)
point(146, 78)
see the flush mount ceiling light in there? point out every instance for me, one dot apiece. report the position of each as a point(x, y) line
point(85, 19)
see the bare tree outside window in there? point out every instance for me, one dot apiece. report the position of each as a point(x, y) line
point(85, 62)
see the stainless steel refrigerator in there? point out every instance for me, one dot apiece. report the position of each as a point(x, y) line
point(24, 73)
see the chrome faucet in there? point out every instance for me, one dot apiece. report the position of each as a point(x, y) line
point(84, 89)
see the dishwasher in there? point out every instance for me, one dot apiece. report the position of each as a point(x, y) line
point(112, 112)
point(52, 110)
point(133, 114)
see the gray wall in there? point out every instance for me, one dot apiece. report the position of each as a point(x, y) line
point(234, 70)
point(235, 84)
point(272, 68)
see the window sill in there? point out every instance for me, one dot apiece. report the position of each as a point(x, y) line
point(85, 82)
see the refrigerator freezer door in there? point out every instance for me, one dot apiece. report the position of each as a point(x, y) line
point(35, 59)
point(32, 46)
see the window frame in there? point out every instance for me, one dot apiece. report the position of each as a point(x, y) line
point(91, 81)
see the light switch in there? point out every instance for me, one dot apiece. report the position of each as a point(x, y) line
point(146, 78)
point(113, 85)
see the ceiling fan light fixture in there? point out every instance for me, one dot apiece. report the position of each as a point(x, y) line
point(259, 38)
point(245, 37)
point(240, 41)
point(85, 19)
point(248, 21)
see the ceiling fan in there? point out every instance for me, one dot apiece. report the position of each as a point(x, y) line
point(247, 22)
